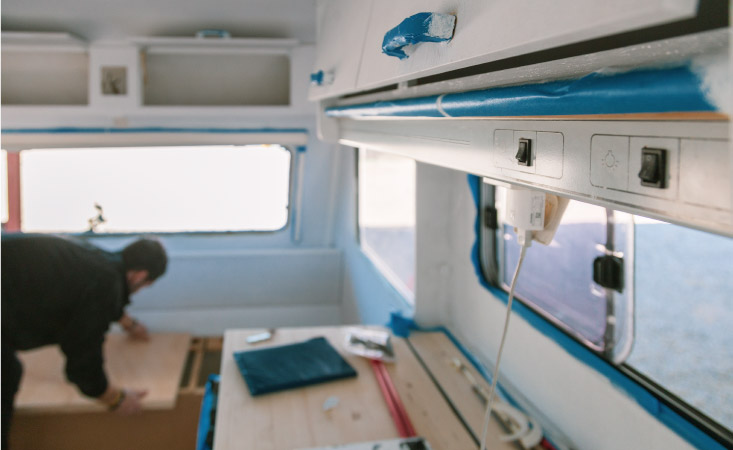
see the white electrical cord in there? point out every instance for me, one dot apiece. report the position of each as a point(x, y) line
point(525, 239)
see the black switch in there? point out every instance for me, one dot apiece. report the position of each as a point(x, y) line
point(524, 153)
point(653, 171)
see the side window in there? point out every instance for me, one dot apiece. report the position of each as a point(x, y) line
point(684, 312)
point(557, 280)
point(386, 216)
point(675, 305)
point(157, 189)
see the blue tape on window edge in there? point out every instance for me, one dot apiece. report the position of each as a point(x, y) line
point(420, 27)
point(643, 91)
point(301, 149)
point(648, 401)
point(63, 130)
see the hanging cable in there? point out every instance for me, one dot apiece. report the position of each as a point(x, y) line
point(525, 239)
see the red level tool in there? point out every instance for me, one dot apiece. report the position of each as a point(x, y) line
point(396, 408)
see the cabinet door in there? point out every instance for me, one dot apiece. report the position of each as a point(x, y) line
point(342, 28)
point(492, 30)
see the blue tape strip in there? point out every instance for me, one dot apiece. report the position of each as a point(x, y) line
point(301, 148)
point(64, 130)
point(642, 396)
point(207, 404)
point(644, 91)
point(421, 27)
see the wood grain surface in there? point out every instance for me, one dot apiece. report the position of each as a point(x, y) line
point(295, 419)
point(155, 365)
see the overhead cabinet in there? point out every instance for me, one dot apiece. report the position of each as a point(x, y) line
point(484, 32)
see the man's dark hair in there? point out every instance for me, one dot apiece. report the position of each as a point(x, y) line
point(146, 254)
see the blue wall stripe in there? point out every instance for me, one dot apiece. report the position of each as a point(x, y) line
point(648, 401)
point(643, 91)
point(63, 130)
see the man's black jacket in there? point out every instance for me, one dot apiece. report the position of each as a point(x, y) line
point(59, 291)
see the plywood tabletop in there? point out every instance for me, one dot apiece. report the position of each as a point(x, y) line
point(155, 365)
point(296, 419)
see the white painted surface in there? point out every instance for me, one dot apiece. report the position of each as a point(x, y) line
point(44, 77)
point(92, 21)
point(564, 393)
point(489, 31)
point(101, 56)
point(709, 157)
point(467, 145)
point(246, 278)
point(213, 321)
point(341, 31)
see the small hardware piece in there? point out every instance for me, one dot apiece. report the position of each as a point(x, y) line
point(653, 171)
point(524, 152)
point(608, 271)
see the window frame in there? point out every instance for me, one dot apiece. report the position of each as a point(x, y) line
point(382, 267)
point(294, 186)
point(488, 244)
point(491, 246)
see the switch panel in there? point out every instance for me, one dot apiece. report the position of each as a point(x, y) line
point(609, 162)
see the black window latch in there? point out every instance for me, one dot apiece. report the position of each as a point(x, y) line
point(608, 271)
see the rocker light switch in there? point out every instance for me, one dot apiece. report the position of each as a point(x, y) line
point(524, 152)
point(653, 171)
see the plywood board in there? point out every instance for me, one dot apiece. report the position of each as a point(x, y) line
point(296, 419)
point(174, 429)
point(437, 352)
point(155, 365)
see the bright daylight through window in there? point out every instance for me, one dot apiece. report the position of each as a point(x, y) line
point(387, 216)
point(674, 331)
point(162, 189)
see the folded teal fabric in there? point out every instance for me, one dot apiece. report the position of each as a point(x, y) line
point(290, 366)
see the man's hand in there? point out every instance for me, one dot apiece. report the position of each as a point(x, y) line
point(123, 401)
point(131, 402)
point(134, 329)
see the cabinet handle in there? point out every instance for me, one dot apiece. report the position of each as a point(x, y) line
point(422, 27)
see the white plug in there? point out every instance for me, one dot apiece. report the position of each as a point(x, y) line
point(525, 210)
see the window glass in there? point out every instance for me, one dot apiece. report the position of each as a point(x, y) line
point(4, 186)
point(163, 189)
point(684, 312)
point(387, 216)
point(557, 280)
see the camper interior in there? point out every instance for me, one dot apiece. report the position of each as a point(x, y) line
point(531, 200)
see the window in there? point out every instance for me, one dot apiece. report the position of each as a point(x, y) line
point(557, 280)
point(684, 311)
point(675, 307)
point(157, 189)
point(387, 216)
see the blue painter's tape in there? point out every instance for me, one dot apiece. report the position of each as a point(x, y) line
point(317, 78)
point(301, 148)
point(415, 107)
point(643, 91)
point(207, 405)
point(421, 27)
point(70, 130)
point(648, 401)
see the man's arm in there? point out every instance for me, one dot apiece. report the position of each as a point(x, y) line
point(133, 328)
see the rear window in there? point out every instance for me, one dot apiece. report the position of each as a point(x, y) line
point(157, 189)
